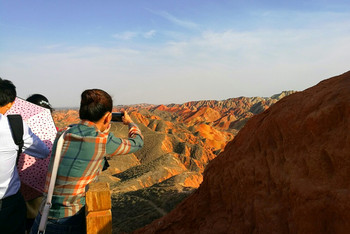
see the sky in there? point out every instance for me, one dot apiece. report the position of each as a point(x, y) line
point(162, 51)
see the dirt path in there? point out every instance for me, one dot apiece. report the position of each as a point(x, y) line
point(160, 210)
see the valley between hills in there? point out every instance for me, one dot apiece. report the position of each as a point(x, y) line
point(180, 140)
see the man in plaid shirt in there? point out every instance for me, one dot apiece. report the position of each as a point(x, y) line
point(82, 159)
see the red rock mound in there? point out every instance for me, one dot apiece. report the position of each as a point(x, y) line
point(287, 171)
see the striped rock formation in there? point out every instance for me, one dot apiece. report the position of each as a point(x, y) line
point(287, 171)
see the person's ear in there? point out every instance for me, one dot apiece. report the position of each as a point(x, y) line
point(107, 118)
point(9, 105)
point(5, 108)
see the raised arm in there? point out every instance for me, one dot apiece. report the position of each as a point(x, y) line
point(118, 146)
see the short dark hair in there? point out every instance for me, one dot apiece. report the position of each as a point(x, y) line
point(7, 92)
point(40, 100)
point(94, 104)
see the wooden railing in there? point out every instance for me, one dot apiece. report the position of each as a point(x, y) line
point(98, 208)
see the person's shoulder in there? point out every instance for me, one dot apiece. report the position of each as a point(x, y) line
point(81, 130)
point(3, 118)
point(24, 123)
point(4, 122)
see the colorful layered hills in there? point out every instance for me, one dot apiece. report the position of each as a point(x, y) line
point(180, 141)
point(287, 171)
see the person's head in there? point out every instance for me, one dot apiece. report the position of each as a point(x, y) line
point(40, 100)
point(95, 104)
point(7, 95)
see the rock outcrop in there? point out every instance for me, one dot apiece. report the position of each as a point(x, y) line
point(287, 171)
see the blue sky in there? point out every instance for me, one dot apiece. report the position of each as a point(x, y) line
point(163, 52)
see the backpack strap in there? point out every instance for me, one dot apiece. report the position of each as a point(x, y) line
point(16, 125)
point(55, 165)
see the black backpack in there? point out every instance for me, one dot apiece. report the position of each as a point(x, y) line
point(16, 125)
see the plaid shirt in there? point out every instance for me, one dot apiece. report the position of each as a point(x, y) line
point(81, 162)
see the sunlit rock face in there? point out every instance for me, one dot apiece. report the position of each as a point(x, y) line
point(287, 171)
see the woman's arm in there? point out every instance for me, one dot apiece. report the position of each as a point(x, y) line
point(33, 146)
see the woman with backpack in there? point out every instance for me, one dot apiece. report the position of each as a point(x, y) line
point(12, 206)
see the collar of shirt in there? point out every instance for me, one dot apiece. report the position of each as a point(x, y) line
point(88, 123)
point(93, 125)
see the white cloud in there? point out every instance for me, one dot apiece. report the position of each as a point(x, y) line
point(149, 34)
point(125, 35)
point(128, 35)
point(180, 22)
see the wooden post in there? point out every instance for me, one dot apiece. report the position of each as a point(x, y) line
point(98, 208)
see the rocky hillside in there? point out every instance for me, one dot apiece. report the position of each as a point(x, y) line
point(180, 140)
point(286, 171)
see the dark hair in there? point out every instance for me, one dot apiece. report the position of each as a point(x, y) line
point(94, 104)
point(7, 92)
point(40, 100)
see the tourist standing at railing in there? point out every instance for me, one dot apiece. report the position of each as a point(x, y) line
point(33, 204)
point(85, 145)
point(12, 206)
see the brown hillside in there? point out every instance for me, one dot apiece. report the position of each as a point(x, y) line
point(63, 118)
point(215, 139)
point(287, 171)
point(205, 114)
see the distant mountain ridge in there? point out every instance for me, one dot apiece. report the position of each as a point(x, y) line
point(229, 114)
point(230, 102)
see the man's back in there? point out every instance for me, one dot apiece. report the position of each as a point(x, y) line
point(9, 182)
point(9, 179)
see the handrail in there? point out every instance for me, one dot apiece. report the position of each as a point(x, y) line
point(98, 208)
